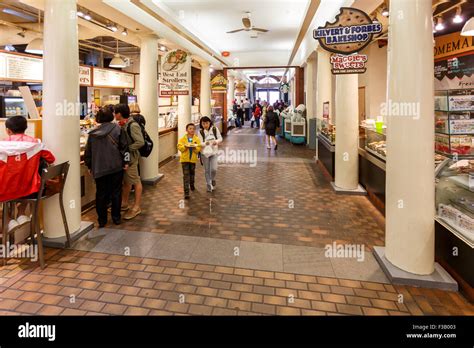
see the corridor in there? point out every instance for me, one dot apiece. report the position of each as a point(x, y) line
point(255, 246)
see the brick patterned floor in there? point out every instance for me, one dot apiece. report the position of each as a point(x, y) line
point(115, 285)
point(253, 203)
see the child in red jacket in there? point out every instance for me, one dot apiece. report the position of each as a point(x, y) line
point(20, 157)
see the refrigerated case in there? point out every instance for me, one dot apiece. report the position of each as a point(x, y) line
point(12, 106)
point(454, 228)
point(454, 123)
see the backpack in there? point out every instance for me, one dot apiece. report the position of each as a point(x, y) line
point(214, 131)
point(147, 148)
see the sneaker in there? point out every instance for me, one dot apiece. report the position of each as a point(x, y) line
point(209, 188)
point(269, 147)
point(132, 213)
point(213, 184)
point(117, 221)
point(276, 147)
point(186, 196)
point(123, 208)
point(193, 188)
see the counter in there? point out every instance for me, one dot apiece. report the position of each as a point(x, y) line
point(327, 154)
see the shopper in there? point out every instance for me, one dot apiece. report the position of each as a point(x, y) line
point(271, 123)
point(189, 145)
point(21, 176)
point(135, 140)
point(135, 113)
point(256, 116)
point(106, 156)
point(240, 116)
point(210, 138)
point(247, 109)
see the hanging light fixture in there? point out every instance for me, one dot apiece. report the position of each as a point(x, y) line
point(80, 13)
point(385, 12)
point(458, 17)
point(36, 45)
point(125, 32)
point(439, 25)
point(112, 27)
point(117, 61)
point(468, 29)
point(87, 16)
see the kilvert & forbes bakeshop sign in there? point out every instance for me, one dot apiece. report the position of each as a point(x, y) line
point(351, 32)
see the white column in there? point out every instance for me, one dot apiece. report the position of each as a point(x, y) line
point(230, 90)
point(347, 132)
point(148, 101)
point(184, 106)
point(61, 132)
point(410, 200)
point(205, 97)
point(310, 80)
point(323, 84)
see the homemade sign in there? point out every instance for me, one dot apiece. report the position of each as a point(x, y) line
point(175, 74)
point(352, 64)
point(352, 30)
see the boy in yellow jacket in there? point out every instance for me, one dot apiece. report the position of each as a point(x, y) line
point(189, 146)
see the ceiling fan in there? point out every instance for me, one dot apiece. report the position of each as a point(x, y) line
point(248, 26)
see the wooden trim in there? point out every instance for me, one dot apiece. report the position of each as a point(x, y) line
point(310, 13)
point(165, 131)
point(178, 31)
point(454, 55)
point(466, 289)
point(261, 67)
point(299, 86)
point(22, 54)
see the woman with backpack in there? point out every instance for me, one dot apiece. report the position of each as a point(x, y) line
point(210, 139)
point(106, 156)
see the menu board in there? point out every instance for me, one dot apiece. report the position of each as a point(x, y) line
point(20, 68)
point(112, 78)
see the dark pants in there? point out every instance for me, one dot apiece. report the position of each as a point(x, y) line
point(188, 175)
point(257, 122)
point(247, 114)
point(108, 189)
point(241, 120)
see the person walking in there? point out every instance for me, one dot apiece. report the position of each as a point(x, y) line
point(256, 116)
point(240, 116)
point(247, 108)
point(271, 123)
point(210, 138)
point(136, 141)
point(189, 145)
point(106, 156)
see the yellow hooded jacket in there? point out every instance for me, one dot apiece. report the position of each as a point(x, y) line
point(185, 150)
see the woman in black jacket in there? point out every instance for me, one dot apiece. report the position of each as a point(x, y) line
point(107, 156)
point(271, 123)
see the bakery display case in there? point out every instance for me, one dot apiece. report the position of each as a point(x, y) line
point(455, 197)
point(454, 227)
point(12, 106)
point(454, 123)
point(326, 145)
point(328, 131)
point(374, 141)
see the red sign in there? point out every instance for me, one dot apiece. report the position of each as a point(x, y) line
point(352, 64)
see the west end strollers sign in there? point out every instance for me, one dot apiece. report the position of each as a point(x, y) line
point(351, 32)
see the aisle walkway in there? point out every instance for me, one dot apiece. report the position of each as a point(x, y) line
point(283, 199)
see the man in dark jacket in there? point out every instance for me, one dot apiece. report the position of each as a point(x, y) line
point(107, 156)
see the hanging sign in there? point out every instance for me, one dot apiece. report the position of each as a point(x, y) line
point(113, 78)
point(352, 64)
point(284, 87)
point(352, 30)
point(175, 73)
point(219, 83)
point(85, 75)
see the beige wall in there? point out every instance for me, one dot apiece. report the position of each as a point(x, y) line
point(375, 79)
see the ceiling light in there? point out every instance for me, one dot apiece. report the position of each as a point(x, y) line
point(385, 12)
point(439, 26)
point(117, 61)
point(19, 14)
point(458, 17)
point(80, 13)
point(87, 16)
point(375, 20)
point(9, 48)
point(35, 46)
point(163, 48)
point(112, 27)
point(468, 29)
point(124, 32)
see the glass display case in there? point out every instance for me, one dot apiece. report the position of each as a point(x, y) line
point(375, 142)
point(454, 123)
point(455, 197)
point(12, 106)
point(328, 131)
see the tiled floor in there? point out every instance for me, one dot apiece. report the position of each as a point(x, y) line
point(284, 199)
point(181, 260)
point(90, 283)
